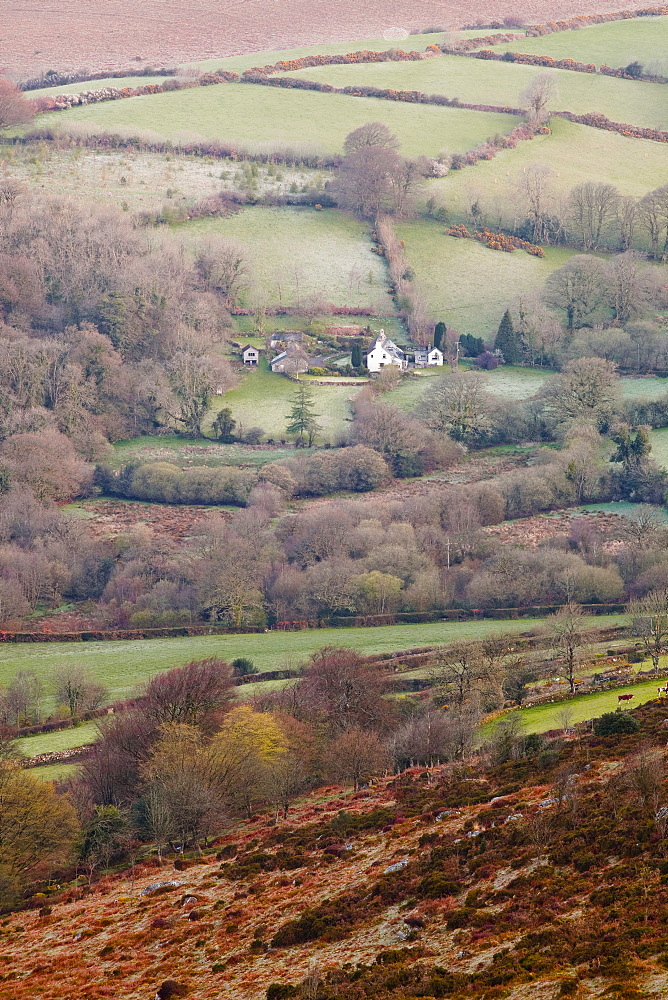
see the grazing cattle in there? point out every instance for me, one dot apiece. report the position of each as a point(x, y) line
point(663, 691)
point(624, 697)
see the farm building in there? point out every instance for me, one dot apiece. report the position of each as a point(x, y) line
point(284, 338)
point(251, 355)
point(427, 357)
point(385, 352)
point(293, 361)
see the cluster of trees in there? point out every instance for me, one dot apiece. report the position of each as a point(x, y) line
point(593, 215)
point(103, 335)
point(74, 691)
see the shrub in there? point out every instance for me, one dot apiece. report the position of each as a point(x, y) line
point(615, 724)
point(243, 666)
point(281, 991)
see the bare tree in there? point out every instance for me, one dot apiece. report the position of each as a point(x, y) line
point(358, 755)
point(577, 288)
point(567, 632)
point(14, 108)
point(77, 688)
point(653, 212)
point(458, 404)
point(587, 388)
point(371, 134)
point(535, 185)
point(197, 694)
point(649, 615)
point(592, 208)
point(628, 215)
point(631, 285)
point(538, 95)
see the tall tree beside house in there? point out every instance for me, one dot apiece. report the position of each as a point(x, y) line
point(356, 355)
point(302, 420)
point(508, 340)
point(440, 331)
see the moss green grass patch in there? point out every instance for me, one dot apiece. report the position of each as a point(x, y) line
point(478, 81)
point(123, 665)
point(466, 284)
point(260, 115)
point(616, 43)
point(186, 454)
point(62, 739)
point(297, 254)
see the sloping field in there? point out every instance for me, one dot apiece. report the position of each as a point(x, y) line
point(264, 400)
point(297, 253)
point(78, 88)
point(635, 166)
point(617, 43)
point(122, 665)
point(65, 34)
point(477, 81)
point(255, 115)
point(467, 285)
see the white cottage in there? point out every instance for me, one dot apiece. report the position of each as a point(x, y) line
point(427, 357)
point(383, 353)
point(251, 355)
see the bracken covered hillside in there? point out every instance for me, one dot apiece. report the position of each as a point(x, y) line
point(540, 873)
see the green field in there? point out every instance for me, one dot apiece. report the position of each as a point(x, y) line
point(264, 399)
point(478, 81)
point(299, 254)
point(124, 665)
point(617, 43)
point(186, 453)
point(541, 718)
point(250, 59)
point(467, 285)
point(53, 772)
point(79, 88)
point(573, 153)
point(62, 739)
point(660, 446)
point(257, 116)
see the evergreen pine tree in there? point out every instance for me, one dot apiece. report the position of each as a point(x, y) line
point(508, 341)
point(439, 334)
point(302, 419)
point(356, 355)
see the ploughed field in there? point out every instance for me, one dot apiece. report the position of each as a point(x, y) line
point(68, 34)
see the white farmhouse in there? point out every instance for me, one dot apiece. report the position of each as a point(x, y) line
point(250, 355)
point(383, 353)
point(427, 357)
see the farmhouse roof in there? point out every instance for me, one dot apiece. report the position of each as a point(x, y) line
point(387, 345)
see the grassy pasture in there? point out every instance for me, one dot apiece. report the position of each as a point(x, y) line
point(123, 665)
point(574, 154)
point(54, 772)
point(541, 718)
point(478, 81)
point(246, 61)
point(263, 115)
point(80, 87)
point(264, 399)
point(62, 739)
point(616, 43)
point(466, 284)
point(660, 446)
point(515, 382)
point(297, 253)
point(186, 453)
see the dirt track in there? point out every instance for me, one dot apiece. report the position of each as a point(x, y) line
point(36, 35)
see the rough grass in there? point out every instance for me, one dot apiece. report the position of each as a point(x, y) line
point(122, 665)
point(54, 772)
point(297, 254)
point(186, 453)
point(477, 81)
point(264, 399)
point(617, 43)
point(141, 182)
point(261, 115)
point(467, 285)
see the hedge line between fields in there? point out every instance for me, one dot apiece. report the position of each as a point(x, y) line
point(335, 621)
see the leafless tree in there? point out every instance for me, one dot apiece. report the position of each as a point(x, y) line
point(535, 184)
point(577, 288)
point(567, 633)
point(371, 134)
point(592, 208)
point(649, 616)
point(538, 95)
point(14, 108)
